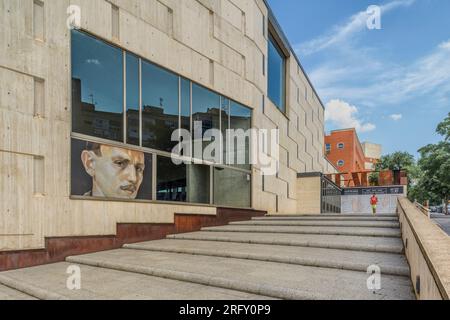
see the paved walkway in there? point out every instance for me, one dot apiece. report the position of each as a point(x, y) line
point(309, 257)
point(442, 221)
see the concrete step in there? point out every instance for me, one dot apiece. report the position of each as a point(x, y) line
point(277, 280)
point(370, 224)
point(322, 218)
point(330, 215)
point(371, 244)
point(7, 293)
point(49, 282)
point(345, 231)
point(393, 264)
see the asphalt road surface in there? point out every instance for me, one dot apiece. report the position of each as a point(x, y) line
point(442, 220)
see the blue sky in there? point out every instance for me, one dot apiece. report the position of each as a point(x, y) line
point(392, 84)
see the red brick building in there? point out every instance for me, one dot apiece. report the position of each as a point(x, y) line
point(344, 150)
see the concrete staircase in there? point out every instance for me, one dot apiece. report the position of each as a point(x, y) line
point(301, 257)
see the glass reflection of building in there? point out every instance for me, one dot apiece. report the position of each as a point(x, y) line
point(157, 102)
point(93, 122)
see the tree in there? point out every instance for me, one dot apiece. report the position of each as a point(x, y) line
point(396, 161)
point(418, 190)
point(444, 128)
point(434, 180)
point(374, 178)
point(399, 161)
point(435, 165)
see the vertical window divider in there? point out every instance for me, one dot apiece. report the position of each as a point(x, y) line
point(179, 112)
point(179, 102)
point(124, 57)
point(140, 102)
point(211, 185)
point(191, 118)
point(154, 176)
point(220, 129)
point(228, 133)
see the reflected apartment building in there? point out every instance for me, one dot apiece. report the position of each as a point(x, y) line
point(90, 111)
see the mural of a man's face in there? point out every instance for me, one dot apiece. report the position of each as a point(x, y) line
point(115, 172)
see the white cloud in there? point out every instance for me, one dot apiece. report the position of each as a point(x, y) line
point(342, 33)
point(396, 117)
point(445, 45)
point(364, 78)
point(344, 115)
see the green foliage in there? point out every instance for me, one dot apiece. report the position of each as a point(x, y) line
point(373, 178)
point(396, 161)
point(435, 165)
point(444, 128)
point(431, 180)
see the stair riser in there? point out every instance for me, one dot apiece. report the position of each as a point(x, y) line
point(333, 216)
point(30, 290)
point(296, 261)
point(328, 219)
point(296, 244)
point(264, 290)
point(313, 224)
point(337, 233)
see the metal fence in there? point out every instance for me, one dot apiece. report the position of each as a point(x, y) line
point(330, 197)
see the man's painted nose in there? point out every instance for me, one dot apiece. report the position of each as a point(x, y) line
point(132, 174)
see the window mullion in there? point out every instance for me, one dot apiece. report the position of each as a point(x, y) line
point(191, 118)
point(124, 66)
point(140, 102)
point(220, 129)
point(154, 176)
point(179, 102)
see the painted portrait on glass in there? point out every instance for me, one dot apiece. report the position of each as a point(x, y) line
point(104, 171)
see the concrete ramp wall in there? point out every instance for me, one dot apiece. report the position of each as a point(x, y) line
point(427, 249)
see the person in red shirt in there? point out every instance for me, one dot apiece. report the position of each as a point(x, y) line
point(373, 203)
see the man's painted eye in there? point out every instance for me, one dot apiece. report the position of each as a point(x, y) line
point(139, 169)
point(121, 164)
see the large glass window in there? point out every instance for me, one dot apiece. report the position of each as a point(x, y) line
point(185, 104)
point(182, 183)
point(133, 118)
point(276, 74)
point(240, 122)
point(198, 186)
point(205, 112)
point(225, 125)
point(97, 88)
point(160, 107)
point(171, 181)
point(120, 97)
point(232, 188)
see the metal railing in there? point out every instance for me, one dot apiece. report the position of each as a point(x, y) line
point(330, 196)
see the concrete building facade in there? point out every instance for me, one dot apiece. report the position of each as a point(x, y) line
point(219, 47)
point(372, 152)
